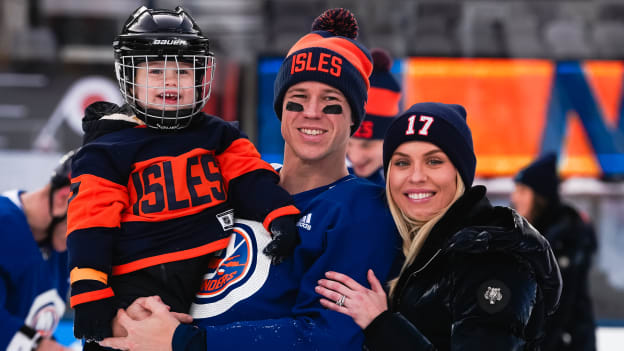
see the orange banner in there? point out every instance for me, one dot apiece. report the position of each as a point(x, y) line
point(507, 102)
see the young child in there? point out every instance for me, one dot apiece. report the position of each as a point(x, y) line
point(154, 187)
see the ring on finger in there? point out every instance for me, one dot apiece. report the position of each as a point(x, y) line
point(341, 300)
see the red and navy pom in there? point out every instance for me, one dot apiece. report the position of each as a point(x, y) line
point(381, 60)
point(338, 21)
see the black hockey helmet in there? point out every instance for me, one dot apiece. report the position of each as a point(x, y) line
point(171, 37)
point(62, 172)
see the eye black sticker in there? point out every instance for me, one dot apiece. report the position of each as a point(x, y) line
point(294, 107)
point(332, 109)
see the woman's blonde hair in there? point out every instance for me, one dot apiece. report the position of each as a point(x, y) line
point(414, 232)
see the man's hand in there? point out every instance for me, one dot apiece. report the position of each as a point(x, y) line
point(153, 333)
point(47, 344)
point(138, 312)
point(285, 238)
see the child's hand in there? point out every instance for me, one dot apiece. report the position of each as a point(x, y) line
point(285, 238)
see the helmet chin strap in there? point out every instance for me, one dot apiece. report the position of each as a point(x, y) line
point(54, 222)
point(167, 120)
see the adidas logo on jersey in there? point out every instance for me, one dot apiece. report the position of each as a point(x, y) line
point(304, 222)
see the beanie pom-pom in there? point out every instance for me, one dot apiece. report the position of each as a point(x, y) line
point(338, 21)
point(381, 60)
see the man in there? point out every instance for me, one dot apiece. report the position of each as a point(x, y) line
point(33, 262)
point(245, 303)
point(365, 151)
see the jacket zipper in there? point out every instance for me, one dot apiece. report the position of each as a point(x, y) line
point(413, 274)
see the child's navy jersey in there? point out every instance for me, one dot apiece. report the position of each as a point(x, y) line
point(33, 283)
point(143, 197)
point(345, 227)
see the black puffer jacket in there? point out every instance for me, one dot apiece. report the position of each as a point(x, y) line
point(484, 280)
point(573, 242)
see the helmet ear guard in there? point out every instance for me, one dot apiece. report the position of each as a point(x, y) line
point(170, 37)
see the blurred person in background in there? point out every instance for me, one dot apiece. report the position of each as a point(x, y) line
point(476, 276)
point(33, 262)
point(573, 240)
point(365, 148)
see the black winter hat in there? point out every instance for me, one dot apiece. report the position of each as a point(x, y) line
point(541, 176)
point(384, 96)
point(443, 125)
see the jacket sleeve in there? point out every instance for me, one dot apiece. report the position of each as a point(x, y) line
point(252, 184)
point(93, 220)
point(392, 331)
point(350, 247)
point(14, 335)
point(492, 301)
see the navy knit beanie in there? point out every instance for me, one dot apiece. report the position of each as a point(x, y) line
point(443, 125)
point(541, 176)
point(330, 55)
point(383, 98)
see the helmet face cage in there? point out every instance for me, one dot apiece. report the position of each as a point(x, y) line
point(171, 89)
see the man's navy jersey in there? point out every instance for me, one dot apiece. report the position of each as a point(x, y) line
point(33, 281)
point(247, 303)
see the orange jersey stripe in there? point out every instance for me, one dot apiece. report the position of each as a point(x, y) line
point(171, 257)
point(282, 211)
point(352, 52)
point(90, 296)
point(77, 274)
point(383, 102)
point(97, 202)
point(239, 158)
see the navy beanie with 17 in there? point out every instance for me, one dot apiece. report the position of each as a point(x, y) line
point(443, 125)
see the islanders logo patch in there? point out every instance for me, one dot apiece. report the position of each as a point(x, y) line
point(240, 271)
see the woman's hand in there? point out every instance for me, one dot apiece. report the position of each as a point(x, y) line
point(362, 304)
point(153, 332)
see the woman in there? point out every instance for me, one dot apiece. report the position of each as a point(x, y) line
point(475, 276)
point(573, 240)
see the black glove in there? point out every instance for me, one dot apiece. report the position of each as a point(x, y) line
point(92, 320)
point(285, 238)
